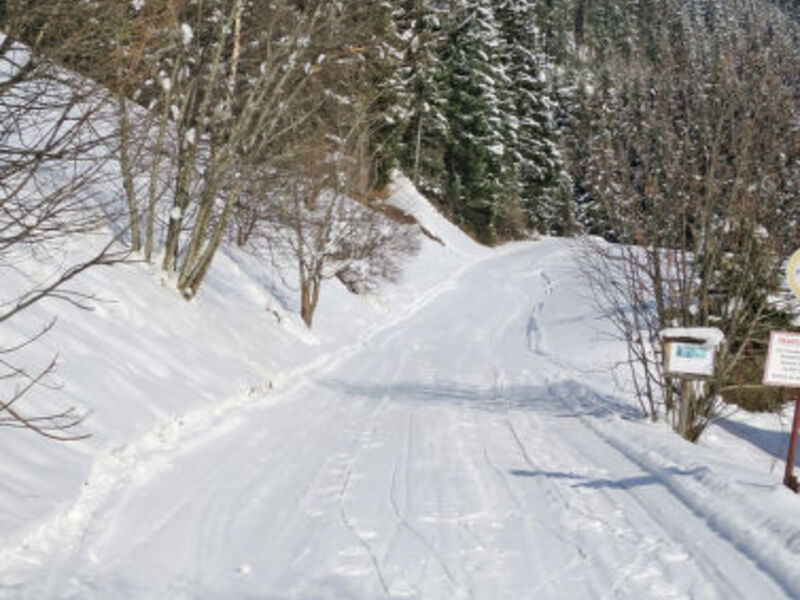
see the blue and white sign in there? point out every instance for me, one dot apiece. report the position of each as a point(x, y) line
point(689, 359)
point(691, 353)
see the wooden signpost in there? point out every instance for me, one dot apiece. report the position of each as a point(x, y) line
point(783, 370)
point(690, 354)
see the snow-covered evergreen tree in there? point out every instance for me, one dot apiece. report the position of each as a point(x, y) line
point(476, 157)
point(533, 140)
point(425, 138)
point(383, 38)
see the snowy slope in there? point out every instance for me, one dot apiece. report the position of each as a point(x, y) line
point(458, 435)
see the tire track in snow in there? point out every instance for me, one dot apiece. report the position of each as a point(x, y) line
point(202, 495)
point(431, 549)
point(115, 470)
point(539, 524)
point(347, 522)
point(650, 550)
point(741, 539)
point(403, 520)
point(367, 431)
point(552, 491)
point(789, 583)
point(559, 495)
point(657, 514)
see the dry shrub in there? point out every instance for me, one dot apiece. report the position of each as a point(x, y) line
point(745, 390)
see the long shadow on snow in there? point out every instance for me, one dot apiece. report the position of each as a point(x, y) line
point(615, 484)
point(566, 399)
point(569, 398)
point(772, 442)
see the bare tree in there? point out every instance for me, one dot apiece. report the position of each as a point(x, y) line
point(142, 42)
point(310, 199)
point(316, 224)
point(53, 152)
point(234, 104)
point(692, 166)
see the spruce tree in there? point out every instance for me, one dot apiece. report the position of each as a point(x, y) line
point(533, 140)
point(476, 153)
point(389, 108)
point(425, 137)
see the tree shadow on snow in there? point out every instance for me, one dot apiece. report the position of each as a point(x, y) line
point(568, 399)
point(626, 483)
point(774, 443)
point(545, 474)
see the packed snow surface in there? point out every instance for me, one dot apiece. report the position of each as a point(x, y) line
point(459, 435)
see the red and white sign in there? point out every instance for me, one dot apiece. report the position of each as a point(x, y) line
point(783, 360)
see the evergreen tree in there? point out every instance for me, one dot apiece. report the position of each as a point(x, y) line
point(425, 138)
point(533, 138)
point(476, 153)
point(553, 20)
point(382, 33)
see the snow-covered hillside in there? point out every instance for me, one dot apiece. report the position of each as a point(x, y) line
point(458, 435)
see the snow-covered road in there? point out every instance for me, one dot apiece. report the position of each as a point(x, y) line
point(462, 452)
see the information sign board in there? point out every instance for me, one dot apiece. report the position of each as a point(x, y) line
point(783, 360)
point(689, 358)
point(691, 352)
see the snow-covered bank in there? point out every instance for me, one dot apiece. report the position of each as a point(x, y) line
point(458, 435)
point(144, 359)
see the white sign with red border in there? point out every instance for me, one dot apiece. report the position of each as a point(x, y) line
point(783, 360)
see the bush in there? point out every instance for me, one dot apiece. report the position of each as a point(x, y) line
point(745, 390)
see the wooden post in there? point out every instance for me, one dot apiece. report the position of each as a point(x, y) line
point(789, 480)
point(687, 398)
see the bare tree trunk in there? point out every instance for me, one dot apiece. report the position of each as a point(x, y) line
point(417, 151)
point(309, 297)
point(180, 204)
point(198, 260)
point(158, 152)
point(127, 173)
point(190, 283)
point(199, 232)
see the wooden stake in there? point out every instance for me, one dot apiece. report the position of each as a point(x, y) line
point(789, 480)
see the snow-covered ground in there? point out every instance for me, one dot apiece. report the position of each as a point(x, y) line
point(460, 435)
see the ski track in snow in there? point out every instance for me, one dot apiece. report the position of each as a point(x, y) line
point(449, 453)
point(141, 460)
